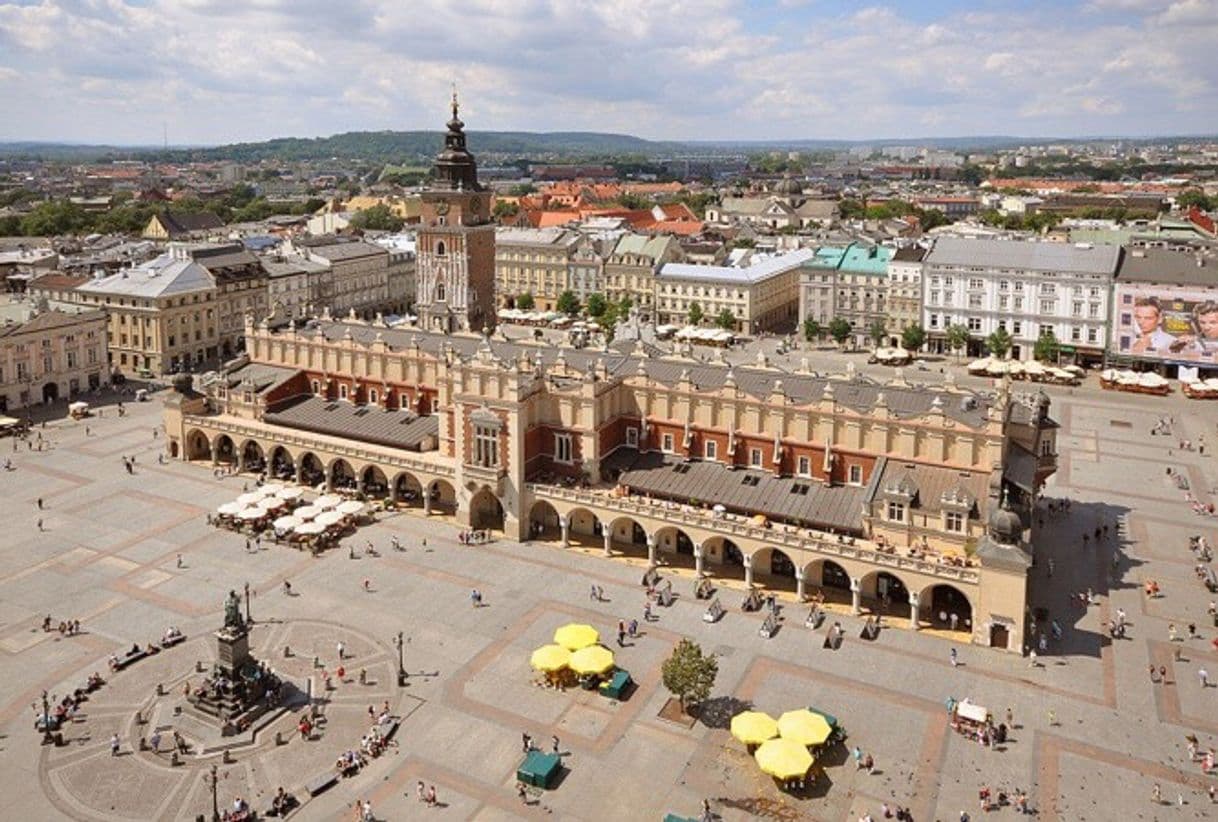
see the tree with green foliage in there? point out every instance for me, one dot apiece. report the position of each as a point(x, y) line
point(597, 305)
point(56, 217)
point(504, 209)
point(698, 202)
point(971, 174)
point(725, 319)
point(812, 330)
point(696, 315)
point(689, 674)
point(525, 301)
point(850, 208)
point(913, 338)
point(929, 218)
point(957, 337)
point(378, 218)
point(1195, 197)
point(877, 331)
point(1047, 347)
point(839, 330)
point(568, 303)
point(522, 189)
point(633, 202)
point(744, 242)
point(999, 343)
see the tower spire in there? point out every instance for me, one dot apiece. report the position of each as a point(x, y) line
point(455, 104)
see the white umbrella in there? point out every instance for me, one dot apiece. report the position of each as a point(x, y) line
point(328, 501)
point(310, 529)
point(271, 503)
point(287, 523)
point(271, 489)
point(350, 508)
point(328, 518)
point(229, 509)
point(290, 493)
point(252, 513)
point(980, 365)
point(308, 511)
point(246, 500)
point(720, 508)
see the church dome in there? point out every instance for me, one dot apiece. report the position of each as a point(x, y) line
point(788, 187)
point(1005, 526)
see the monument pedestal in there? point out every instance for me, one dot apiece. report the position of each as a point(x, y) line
point(233, 650)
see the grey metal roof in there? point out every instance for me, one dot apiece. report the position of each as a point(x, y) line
point(398, 429)
point(804, 501)
point(161, 277)
point(1025, 254)
point(932, 482)
point(859, 394)
point(1021, 467)
point(1166, 265)
point(262, 376)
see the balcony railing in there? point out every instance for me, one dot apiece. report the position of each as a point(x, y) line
point(776, 535)
point(317, 442)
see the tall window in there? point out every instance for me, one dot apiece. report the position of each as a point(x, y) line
point(486, 446)
point(856, 475)
point(562, 448)
point(372, 396)
point(632, 437)
point(440, 249)
point(666, 444)
point(342, 391)
point(440, 292)
point(896, 512)
point(755, 457)
point(711, 450)
point(804, 467)
point(953, 521)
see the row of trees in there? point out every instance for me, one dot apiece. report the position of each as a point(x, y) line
point(928, 218)
point(839, 330)
point(724, 319)
point(998, 344)
point(605, 311)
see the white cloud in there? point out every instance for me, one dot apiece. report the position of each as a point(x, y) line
point(216, 70)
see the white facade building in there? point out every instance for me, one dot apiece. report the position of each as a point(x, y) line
point(1024, 287)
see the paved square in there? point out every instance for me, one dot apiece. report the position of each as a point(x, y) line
point(1092, 733)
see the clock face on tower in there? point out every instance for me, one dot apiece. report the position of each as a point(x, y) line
point(441, 208)
point(475, 204)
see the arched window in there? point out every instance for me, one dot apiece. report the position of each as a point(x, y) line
point(342, 391)
point(440, 249)
point(440, 292)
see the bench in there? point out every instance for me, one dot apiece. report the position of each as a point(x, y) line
point(124, 661)
point(173, 640)
point(389, 728)
point(321, 783)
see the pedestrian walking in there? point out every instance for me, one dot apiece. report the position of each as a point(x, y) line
point(155, 741)
point(633, 629)
point(1204, 676)
point(1152, 673)
point(647, 611)
point(114, 745)
point(1163, 673)
point(1171, 632)
point(179, 560)
point(420, 791)
point(857, 753)
point(522, 792)
point(1010, 718)
point(40, 503)
point(368, 585)
point(1052, 719)
point(554, 743)
point(431, 796)
point(526, 744)
point(1032, 658)
point(954, 660)
point(342, 650)
point(869, 764)
point(40, 528)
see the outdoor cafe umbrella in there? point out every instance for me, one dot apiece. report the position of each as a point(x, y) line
point(308, 511)
point(804, 727)
point(574, 636)
point(309, 529)
point(328, 518)
point(252, 513)
point(783, 758)
point(754, 727)
point(287, 523)
point(350, 508)
point(271, 503)
point(328, 501)
point(594, 659)
point(271, 489)
point(550, 658)
point(229, 509)
point(290, 493)
point(248, 499)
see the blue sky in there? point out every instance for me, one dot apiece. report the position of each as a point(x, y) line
point(225, 70)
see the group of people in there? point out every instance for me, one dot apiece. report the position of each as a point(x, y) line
point(69, 627)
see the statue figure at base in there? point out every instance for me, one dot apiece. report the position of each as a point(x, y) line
point(232, 612)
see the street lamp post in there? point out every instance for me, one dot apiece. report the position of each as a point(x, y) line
point(400, 642)
point(47, 739)
point(215, 804)
point(248, 619)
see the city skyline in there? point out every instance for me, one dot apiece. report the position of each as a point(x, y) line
point(128, 71)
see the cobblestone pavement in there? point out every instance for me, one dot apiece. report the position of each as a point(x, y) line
point(1093, 734)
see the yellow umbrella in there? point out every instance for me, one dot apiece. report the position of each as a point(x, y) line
point(783, 758)
point(754, 727)
point(550, 658)
point(594, 659)
point(804, 727)
point(575, 636)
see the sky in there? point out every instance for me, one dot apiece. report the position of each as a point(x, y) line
point(220, 71)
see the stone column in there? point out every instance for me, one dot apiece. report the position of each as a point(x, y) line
point(299, 472)
point(564, 524)
point(913, 611)
point(427, 501)
point(856, 596)
point(699, 559)
point(651, 549)
point(608, 535)
point(240, 455)
point(748, 571)
point(799, 584)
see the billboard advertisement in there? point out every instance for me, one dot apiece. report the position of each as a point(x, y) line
point(1167, 323)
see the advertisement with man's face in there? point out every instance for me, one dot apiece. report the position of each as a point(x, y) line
point(1167, 323)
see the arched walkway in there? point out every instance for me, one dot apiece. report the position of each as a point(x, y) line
point(282, 465)
point(825, 573)
point(342, 475)
point(407, 490)
point(252, 457)
point(543, 522)
point(946, 607)
point(722, 558)
point(585, 527)
point(312, 473)
point(774, 570)
point(628, 537)
point(672, 540)
point(486, 511)
point(884, 593)
point(50, 392)
point(442, 497)
point(224, 451)
point(376, 484)
point(197, 446)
